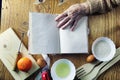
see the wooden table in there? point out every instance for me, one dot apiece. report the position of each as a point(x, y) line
point(15, 14)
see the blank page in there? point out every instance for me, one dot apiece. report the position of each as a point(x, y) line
point(44, 35)
point(75, 41)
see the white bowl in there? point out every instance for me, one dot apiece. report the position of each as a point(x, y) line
point(103, 49)
point(63, 69)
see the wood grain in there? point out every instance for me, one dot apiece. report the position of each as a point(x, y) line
point(15, 15)
point(9, 44)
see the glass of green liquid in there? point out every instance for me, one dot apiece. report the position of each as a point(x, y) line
point(63, 69)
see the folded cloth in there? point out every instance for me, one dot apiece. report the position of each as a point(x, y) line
point(46, 58)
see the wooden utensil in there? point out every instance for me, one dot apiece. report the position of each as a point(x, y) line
point(19, 55)
point(86, 69)
point(110, 64)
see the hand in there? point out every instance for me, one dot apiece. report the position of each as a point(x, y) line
point(71, 16)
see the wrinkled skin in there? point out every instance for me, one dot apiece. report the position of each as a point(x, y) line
point(71, 16)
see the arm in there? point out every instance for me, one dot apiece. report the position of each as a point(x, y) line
point(72, 15)
point(102, 6)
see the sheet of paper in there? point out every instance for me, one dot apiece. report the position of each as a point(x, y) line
point(44, 35)
point(75, 41)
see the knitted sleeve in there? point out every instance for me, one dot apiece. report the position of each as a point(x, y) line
point(102, 6)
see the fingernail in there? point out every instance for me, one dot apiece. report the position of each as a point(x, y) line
point(58, 26)
point(55, 19)
point(72, 29)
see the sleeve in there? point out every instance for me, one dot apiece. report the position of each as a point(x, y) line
point(102, 6)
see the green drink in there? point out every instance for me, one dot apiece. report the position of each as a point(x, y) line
point(62, 70)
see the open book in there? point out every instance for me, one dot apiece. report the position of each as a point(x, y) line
point(46, 38)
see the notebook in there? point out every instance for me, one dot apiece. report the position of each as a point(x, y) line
point(46, 38)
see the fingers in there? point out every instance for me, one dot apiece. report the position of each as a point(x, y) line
point(61, 16)
point(63, 22)
point(67, 24)
point(68, 21)
point(75, 23)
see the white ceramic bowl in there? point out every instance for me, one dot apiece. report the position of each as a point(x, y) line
point(63, 70)
point(103, 49)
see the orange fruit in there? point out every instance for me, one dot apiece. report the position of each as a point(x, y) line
point(24, 64)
